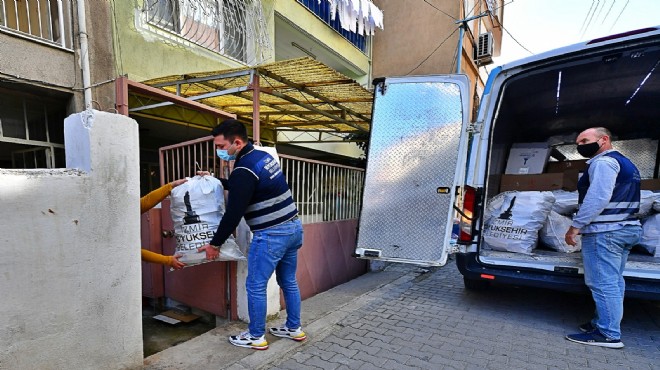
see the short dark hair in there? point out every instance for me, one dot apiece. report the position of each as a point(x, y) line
point(231, 129)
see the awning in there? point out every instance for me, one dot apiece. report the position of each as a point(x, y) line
point(298, 94)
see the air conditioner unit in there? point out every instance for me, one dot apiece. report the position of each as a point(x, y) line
point(483, 52)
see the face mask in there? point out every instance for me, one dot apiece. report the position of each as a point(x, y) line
point(224, 155)
point(588, 150)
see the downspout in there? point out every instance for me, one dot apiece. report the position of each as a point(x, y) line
point(84, 53)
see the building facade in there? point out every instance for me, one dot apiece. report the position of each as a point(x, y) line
point(42, 75)
point(422, 38)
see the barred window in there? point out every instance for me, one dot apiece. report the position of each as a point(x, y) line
point(234, 28)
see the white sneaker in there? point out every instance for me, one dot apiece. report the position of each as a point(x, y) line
point(283, 332)
point(245, 339)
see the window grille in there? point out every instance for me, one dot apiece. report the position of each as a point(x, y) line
point(233, 28)
point(31, 131)
point(43, 20)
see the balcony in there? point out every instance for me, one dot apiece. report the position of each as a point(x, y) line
point(322, 10)
point(47, 21)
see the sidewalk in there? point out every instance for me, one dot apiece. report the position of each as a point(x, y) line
point(320, 316)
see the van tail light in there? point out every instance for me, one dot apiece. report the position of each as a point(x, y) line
point(466, 224)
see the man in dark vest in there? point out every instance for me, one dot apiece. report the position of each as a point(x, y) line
point(608, 196)
point(258, 191)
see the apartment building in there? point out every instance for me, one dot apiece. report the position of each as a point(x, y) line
point(44, 76)
point(422, 37)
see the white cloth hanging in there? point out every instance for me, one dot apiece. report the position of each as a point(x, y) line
point(358, 16)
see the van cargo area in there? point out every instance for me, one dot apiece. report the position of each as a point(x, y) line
point(552, 100)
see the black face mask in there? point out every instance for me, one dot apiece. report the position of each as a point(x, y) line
point(588, 150)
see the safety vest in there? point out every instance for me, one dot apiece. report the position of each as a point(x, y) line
point(271, 202)
point(624, 202)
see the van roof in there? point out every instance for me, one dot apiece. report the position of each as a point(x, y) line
point(594, 43)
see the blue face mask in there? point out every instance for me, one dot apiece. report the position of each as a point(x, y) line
point(224, 155)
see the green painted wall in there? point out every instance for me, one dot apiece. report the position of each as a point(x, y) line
point(144, 51)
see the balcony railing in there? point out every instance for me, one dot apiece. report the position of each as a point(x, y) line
point(322, 10)
point(43, 20)
point(233, 28)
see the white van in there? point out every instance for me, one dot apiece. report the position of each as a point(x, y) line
point(428, 166)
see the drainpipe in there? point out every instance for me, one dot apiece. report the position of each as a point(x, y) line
point(84, 53)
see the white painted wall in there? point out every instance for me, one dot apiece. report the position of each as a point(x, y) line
point(70, 267)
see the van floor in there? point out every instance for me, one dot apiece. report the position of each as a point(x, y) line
point(547, 259)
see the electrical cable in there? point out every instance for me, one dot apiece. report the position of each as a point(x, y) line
point(433, 52)
point(619, 16)
point(441, 11)
point(590, 19)
point(608, 12)
point(514, 39)
point(587, 16)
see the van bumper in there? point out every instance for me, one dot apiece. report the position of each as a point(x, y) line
point(471, 268)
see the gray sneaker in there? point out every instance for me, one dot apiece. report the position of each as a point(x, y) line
point(283, 332)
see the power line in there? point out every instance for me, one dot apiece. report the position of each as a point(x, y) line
point(587, 16)
point(441, 11)
point(608, 11)
point(433, 52)
point(590, 19)
point(617, 18)
point(514, 39)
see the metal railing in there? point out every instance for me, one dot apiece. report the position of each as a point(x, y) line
point(322, 191)
point(43, 20)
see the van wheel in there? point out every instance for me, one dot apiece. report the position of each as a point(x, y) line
point(472, 284)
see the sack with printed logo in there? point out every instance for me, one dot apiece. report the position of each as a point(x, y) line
point(513, 219)
point(196, 208)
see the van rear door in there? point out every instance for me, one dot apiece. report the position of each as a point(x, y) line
point(416, 161)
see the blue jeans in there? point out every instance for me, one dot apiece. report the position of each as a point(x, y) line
point(274, 250)
point(604, 256)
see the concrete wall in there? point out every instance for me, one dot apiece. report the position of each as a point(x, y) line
point(410, 34)
point(70, 268)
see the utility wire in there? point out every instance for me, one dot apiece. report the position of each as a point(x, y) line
point(441, 11)
point(514, 39)
point(608, 12)
point(433, 52)
point(587, 16)
point(619, 16)
point(590, 19)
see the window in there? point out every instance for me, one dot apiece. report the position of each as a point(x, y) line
point(31, 131)
point(45, 20)
point(234, 28)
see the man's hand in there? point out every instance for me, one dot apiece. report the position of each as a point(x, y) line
point(570, 236)
point(175, 263)
point(178, 182)
point(211, 252)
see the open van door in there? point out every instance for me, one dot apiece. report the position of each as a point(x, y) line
point(416, 161)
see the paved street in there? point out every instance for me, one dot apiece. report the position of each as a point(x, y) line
point(411, 318)
point(431, 322)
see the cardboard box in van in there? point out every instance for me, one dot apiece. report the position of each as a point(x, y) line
point(579, 165)
point(527, 158)
point(650, 184)
point(566, 180)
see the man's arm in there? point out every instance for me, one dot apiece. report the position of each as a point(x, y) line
point(242, 183)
